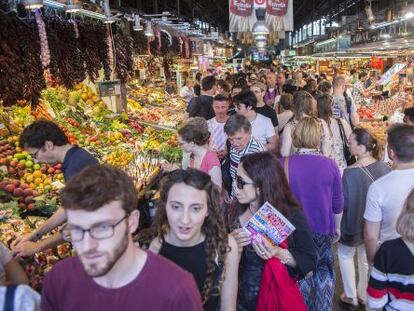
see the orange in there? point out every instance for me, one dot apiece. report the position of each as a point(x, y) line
point(37, 174)
point(38, 181)
point(29, 178)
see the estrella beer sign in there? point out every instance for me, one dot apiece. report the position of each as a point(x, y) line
point(241, 7)
point(276, 7)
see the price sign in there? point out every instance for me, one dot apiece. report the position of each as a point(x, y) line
point(109, 88)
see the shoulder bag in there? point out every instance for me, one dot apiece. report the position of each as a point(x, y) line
point(349, 158)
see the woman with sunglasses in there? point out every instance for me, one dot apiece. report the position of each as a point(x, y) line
point(260, 179)
point(189, 230)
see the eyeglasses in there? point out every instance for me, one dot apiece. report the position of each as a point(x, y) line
point(99, 232)
point(241, 183)
point(34, 155)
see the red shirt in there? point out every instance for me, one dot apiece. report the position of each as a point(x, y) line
point(161, 285)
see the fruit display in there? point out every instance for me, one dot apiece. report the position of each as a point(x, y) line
point(367, 113)
point(157, 97)
point(37, 266)
point(29, 190)
point(378, 129)
point(155, 106)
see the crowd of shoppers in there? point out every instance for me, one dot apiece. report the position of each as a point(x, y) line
point(287, 138)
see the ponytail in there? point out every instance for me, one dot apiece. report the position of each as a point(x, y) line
point(376, 151)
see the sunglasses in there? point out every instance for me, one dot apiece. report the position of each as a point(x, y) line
point(241, 183)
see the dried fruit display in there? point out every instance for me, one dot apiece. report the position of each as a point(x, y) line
point(19, 57)
point(66, 60)
point(88, 43)
point(123, 50)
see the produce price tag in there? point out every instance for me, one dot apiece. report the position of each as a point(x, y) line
point(269, 224)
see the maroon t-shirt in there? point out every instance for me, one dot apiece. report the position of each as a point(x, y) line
point(161, 285)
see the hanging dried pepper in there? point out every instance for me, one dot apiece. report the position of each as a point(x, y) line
point(21, 74)
point(89, 45)
point(123, 50)
point(66, 59)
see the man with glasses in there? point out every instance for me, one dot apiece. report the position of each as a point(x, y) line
point(47, 143)
point(110, 272)
point(239, 133)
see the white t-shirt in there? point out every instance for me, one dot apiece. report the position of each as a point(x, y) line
point(262, 128)
point(386, 198)
point(218, 137)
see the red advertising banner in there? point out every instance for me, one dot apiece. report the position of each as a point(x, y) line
point(241, 7)
point(277, 7)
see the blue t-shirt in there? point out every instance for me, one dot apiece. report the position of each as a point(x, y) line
point(76, 159)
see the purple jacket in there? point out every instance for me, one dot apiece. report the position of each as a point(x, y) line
point(316, 183)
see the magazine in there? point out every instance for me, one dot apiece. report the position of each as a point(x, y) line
point(269, 224)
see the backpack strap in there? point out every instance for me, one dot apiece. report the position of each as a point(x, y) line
point(9, 301)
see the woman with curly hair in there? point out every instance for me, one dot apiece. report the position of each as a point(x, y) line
point(190, 231)
point(260, 179)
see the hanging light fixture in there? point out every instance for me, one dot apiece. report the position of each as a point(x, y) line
point(137, 23)
point(32, 4)
point(148, 30)
point(261, 44)
point(368, 11)
point(260, 37)
point(260, 27)
point(109, 18)
point(71, 7)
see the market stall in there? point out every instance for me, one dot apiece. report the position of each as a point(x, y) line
point(64, 62)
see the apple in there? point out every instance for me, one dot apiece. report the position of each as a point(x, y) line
point(27, 192)
point(10, 188)
point(12, 170)
point(18, 192)
point(16, 183)
point(3, 184)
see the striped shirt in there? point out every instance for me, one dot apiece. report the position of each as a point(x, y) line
point(391, 285)
point(217, 136)
point(252, 147)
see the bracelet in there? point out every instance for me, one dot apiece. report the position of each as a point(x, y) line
point(286, 257)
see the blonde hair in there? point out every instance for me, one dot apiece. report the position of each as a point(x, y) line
point(307, 133)
point(405, 222)
point(259, 85)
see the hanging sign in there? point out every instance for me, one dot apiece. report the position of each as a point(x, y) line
point(241, 7)
point(279, 15)
point(240, 14)
point(277, 7)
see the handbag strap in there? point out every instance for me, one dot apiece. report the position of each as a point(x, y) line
point(9, 301)
point(342, 132)
point(286, 168)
